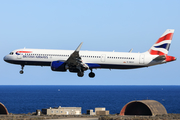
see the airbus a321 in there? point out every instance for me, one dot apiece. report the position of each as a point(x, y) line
point(79, 61)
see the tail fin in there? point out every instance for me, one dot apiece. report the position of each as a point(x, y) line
point(161, 47)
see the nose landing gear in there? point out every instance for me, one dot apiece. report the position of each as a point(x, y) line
point(21, 71)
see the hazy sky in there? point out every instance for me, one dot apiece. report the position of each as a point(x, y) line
point(103, 25)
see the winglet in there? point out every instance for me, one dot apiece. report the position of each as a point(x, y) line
point(79, 47)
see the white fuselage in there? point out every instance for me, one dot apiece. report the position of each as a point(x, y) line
point(109, 60)
point(79, 61)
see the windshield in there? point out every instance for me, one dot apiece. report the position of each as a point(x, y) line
point(11, 53)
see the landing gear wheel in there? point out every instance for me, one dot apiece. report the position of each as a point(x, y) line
point(80, 74)
point(21, 72)
point(91, 75)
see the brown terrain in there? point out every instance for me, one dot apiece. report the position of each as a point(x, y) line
point(88, 117)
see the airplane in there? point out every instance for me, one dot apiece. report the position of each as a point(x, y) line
point(79, 61)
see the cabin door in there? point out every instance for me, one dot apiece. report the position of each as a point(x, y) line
point(103, 58)
point(141, 59)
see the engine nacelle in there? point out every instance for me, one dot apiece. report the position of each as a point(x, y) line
point(58, 66)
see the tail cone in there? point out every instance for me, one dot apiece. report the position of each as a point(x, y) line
point(170, 58)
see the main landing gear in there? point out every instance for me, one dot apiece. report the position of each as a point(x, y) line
point(80, 74)
point(21, 71)
point(91, 74)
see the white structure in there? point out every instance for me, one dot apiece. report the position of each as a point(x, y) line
point(62, 111)
point(90, 112)
point(98, 111)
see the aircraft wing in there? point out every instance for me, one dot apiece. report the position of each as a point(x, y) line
point(74, 58)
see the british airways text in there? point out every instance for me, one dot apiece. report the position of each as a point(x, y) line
point(30, 56)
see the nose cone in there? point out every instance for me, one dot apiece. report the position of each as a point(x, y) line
point(9, 58)
point(5, 58)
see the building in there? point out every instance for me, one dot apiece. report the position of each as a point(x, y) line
point(3, 110)
point(143, 107)
point(62, 111)
point(90, 112)
point(101, 111)
point(98, 111)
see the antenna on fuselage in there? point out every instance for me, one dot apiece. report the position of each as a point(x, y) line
point(130, 50)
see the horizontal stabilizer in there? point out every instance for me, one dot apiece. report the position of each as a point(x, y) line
point(161, 57)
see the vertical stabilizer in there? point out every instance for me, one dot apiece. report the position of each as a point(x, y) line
point(161, 47)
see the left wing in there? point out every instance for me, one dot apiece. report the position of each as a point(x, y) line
point(74, 58)
point(75, 61)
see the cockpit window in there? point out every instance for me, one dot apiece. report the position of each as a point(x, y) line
point(11, 53)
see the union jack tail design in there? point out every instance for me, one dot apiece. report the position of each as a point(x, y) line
point(161, 47)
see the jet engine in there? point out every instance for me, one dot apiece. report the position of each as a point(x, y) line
point(58, 66)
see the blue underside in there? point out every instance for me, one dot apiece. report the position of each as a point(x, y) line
point(91, 65)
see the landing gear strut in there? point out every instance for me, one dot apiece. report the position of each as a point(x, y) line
point(21, 71)
point(91, 74)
